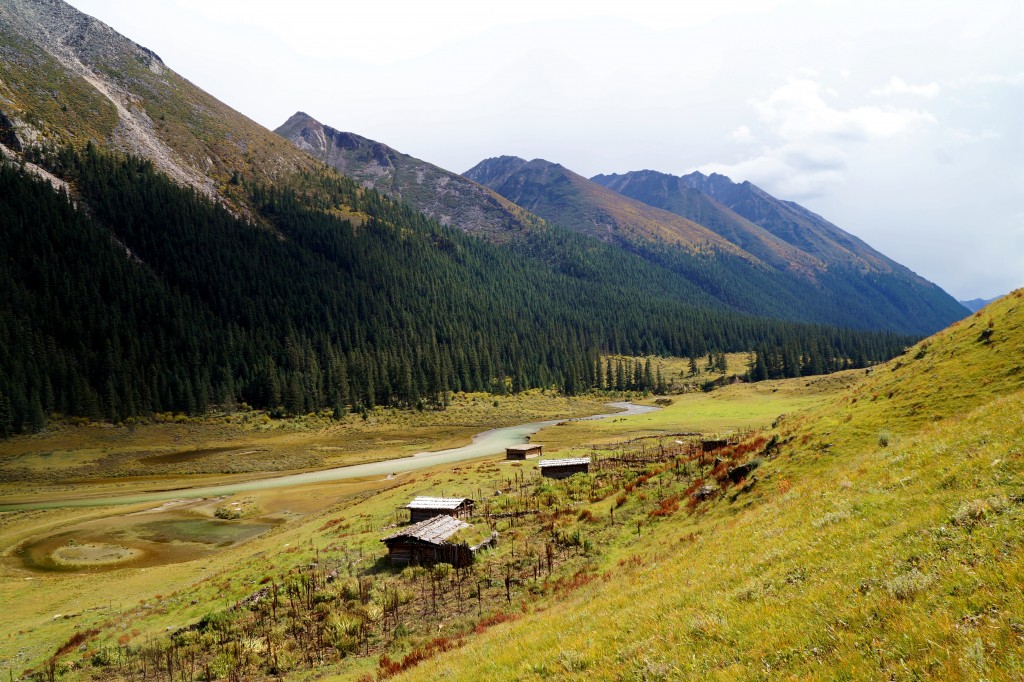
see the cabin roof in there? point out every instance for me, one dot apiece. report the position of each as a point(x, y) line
point(523, 448)
point(434, 530)
point(437, 502)
point(572, 461)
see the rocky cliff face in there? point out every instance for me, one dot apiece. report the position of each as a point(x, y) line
point(442, 195)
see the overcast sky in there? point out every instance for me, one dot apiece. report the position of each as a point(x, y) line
point(901, 122)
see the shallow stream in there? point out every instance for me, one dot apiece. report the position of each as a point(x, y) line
point(489, 442)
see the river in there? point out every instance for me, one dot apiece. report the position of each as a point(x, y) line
point(489, 442)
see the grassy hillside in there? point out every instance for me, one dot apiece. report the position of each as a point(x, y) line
point(868, 544)
point(880, 542)
point(336, 525)
point(68, 78)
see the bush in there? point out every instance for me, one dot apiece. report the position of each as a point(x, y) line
point(228, 512)
point(970, 514)
point(906, 586)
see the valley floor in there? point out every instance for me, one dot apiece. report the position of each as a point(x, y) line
point(858, 526)
point(53, 602)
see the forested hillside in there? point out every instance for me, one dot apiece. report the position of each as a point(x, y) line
point(780, 260)
point(139, 295)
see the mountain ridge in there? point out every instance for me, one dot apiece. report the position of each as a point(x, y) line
point(440, 194)
point(786, 220)
point(68, 77)
point(811, 270)
point(593, 209)
point(976, 304)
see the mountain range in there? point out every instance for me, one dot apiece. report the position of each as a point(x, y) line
point(818, 269)
point(976, 304)
point(813, 270)
point(329, 269)
point(744, 213)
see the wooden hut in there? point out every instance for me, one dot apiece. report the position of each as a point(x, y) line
point(563, 468)
point(712, 444)
point(423, 508)
point(523, 451)
point(426, 543)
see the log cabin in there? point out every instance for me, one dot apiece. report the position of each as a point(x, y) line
point(523, 451)
point(423, 508)
point(426, 543)
point(564, 468)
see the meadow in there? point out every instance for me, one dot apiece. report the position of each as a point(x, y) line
point(854, 526)
point(881, 541)
point(330, 524)
point(71, 458)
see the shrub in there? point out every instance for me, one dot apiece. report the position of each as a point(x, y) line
point(666, 507)
point(228, 512)
point(906, 586)
point(830, 518)
point(970, 514)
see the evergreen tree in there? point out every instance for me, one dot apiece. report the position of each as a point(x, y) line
point(315, 313)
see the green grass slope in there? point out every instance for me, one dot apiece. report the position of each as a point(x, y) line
point(881, 540)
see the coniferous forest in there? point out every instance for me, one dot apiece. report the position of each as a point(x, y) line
point(134, 295)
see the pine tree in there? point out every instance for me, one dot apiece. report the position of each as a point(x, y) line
point(6, 417)
point(36, 417)
point(721, 364)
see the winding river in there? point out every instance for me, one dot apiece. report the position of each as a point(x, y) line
point(489, 442)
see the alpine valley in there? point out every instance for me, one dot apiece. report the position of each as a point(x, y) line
point(818, 479)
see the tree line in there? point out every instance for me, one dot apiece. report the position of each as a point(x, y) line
point(134, 295)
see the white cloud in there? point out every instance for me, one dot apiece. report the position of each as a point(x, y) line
point(742, 135)
point(798, 111)
point(898, 86)
point(792, 171)
point(811, 139)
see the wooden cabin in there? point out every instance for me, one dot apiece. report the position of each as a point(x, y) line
point(423, 508)
point(564, 468)
point(523, 451)
point(426, 543)
point(712, 444)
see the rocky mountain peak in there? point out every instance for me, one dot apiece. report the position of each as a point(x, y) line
point(440, 194)
point(68, 34)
